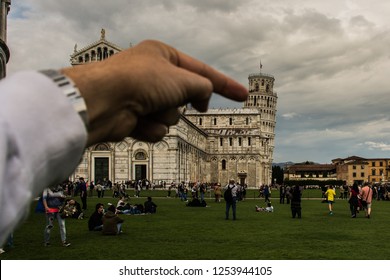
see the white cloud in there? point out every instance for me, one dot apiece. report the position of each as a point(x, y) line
point(377, 146)
point(289, 116)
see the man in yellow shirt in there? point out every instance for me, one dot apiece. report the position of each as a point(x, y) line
point(330, 195)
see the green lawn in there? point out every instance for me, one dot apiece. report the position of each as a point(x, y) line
point(178, 232)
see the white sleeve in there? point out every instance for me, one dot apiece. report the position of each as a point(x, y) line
point(42, 139)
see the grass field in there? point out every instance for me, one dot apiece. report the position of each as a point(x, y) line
point(178, 232)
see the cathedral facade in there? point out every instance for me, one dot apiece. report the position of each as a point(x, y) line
point(215, 146)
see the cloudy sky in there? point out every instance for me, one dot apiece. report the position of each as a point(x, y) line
point(330, 59)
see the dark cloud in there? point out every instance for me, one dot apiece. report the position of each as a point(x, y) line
point(222, 6)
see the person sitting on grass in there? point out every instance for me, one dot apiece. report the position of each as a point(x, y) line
point(112, 223)
point(149, 206)
point(95, 222)
point(269, 208)
point(122, 205)
point(74, 209)
point(195, 202)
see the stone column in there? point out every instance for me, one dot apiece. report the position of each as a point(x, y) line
point(4, 9)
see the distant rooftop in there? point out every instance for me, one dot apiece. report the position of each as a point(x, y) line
point(310, 167)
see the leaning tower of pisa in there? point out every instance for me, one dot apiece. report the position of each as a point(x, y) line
point(263, 97)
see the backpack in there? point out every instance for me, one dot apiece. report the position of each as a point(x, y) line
point(39, 208)
point(54, 199)
point(227, 195)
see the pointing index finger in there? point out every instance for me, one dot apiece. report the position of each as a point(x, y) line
point(222, 84)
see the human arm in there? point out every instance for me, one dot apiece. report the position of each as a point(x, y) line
point(44, 202)
point(41, 141)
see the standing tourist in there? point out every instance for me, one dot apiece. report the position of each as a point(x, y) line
point(99, 189)
point(230, 196)
point(203, 190)
point(52, 199)
point(91, 187)
point(330, 194)
point(115, 190)
point(244, 187)
point(107, 185)
point(138, 188)
point(83, 193)
point(267, 193)
point(354, 200)
point(218, 192)
point(288, 194)
point(282, 194)
point(296, 209)
point(366, 196)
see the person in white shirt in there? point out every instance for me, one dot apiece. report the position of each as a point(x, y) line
point(269, 208)
point(44, 127)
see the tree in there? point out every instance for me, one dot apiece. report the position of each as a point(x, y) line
point(277, 173)
point(318, 183)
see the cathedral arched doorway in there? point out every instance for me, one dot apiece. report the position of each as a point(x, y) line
point(140, 172)
point(101, 163)
point(242, 177)
point(141, 163)
point(101, 171)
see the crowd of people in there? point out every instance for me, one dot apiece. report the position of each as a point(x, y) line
point(359, 197)
point(57, 205)
point(194, 193)
point(198, 190)
point(59, 202)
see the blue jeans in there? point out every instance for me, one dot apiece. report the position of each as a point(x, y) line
point(49, 225)
point(119, 227)
point(232, 204)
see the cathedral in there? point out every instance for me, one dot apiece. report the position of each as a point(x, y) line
point(213, 147)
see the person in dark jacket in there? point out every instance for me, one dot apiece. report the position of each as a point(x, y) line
point(112, 223)
point(354, 200)
point(282, 194)
point(296, 209)
point(150, 206)
point(83, 193)
point(95, 222)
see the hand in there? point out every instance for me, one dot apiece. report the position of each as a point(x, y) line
point(137, 92)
